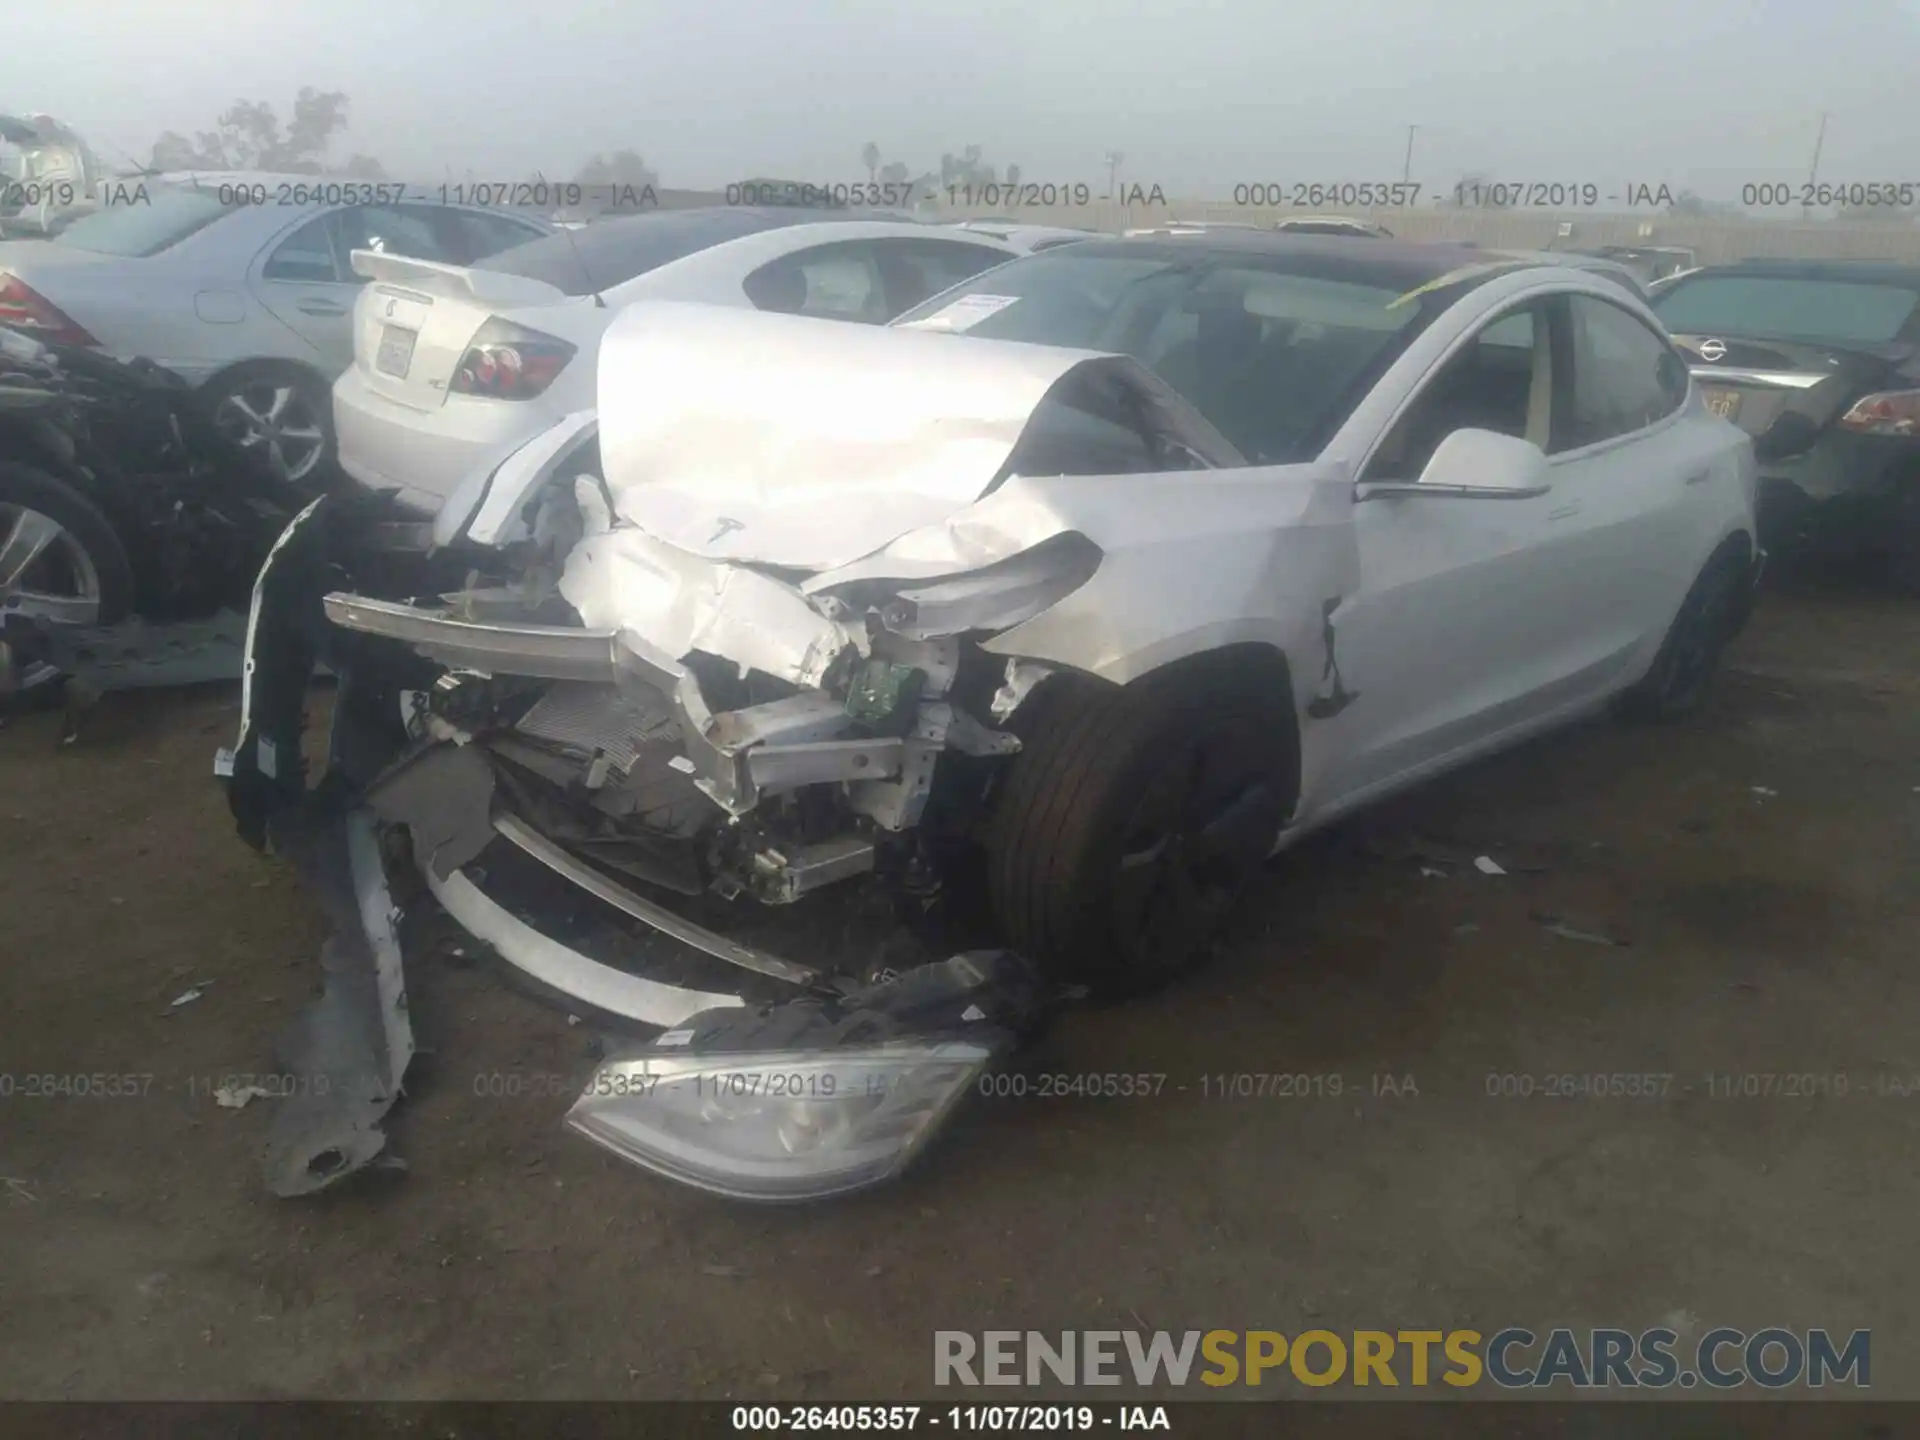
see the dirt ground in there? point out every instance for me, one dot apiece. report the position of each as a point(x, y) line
point(1756, 863)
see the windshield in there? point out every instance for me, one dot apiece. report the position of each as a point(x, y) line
point(601, 255)
point(1276, 360)
point(1782, 308)
point(164, 216)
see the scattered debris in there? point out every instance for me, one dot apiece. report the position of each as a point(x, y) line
point(1433, 874)
point(1554, 925)
point(19, 1189)
point(724, 1272)
point(235, 1097)
point(1469, 927)
point(191, 994)
point(1763, 792)
point(1487, 865)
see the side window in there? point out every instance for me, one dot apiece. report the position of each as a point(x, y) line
point(919, 269)
point(1625, 377)
point(306, 256)
point(470, 235)
point(835, 282)
point(1501, 380)
point(397, 229)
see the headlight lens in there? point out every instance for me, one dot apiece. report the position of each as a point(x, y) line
point(777, 1125)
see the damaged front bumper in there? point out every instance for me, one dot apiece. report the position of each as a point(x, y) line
point(774, 1079)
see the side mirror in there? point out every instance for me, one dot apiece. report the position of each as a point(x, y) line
point(1475, 465)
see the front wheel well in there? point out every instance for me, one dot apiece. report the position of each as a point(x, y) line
point(266, 363)
point(1267, 664)
point(1133, 816)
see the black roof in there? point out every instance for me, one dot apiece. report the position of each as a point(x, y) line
point(1362, 260)
point(1862, 272)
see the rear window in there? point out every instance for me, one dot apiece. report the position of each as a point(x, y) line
point(164, 216)
point(1781, 308)
point(602, 255)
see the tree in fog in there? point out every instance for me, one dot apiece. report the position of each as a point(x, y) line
point(248, 136)
point(1886, 210)
point(1687, 205)
point(622, 167)
point(1013, 176)
point(619, 181)
point(870, 157)
point(966, 168)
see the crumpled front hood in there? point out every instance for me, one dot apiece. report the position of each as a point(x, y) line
point(795, 442)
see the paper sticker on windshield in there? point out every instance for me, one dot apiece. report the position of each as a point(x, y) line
point(963, 314)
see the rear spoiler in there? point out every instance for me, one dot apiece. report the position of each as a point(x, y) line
point(435, 277)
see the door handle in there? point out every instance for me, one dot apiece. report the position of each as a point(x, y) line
point(320, 307)
point(1564, 512)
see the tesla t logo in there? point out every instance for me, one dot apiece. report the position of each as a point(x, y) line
point(1713, 349)
point(390, 307)
point(726, 526)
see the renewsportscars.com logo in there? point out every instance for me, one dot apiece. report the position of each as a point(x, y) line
point(1512, 1359)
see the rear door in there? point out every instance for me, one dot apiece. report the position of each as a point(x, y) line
point(1646, 478)
point(301, 279)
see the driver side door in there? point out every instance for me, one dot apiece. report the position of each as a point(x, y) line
point(1458, 633)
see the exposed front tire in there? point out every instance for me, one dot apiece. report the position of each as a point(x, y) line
point(279, 412)
point(1689, 657)
point(1133, 820)
point(61, 561)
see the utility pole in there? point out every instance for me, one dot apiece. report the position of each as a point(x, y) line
point(1813, 174)
point(1114, 157)
point(1406, 167)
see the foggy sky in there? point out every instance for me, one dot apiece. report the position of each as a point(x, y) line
point(1198, 94)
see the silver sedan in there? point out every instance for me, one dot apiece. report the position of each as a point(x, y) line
point(241, 283)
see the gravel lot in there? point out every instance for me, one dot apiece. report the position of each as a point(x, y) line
point(1757, 864)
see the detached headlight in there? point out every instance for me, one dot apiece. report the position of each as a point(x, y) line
point(778, 1125)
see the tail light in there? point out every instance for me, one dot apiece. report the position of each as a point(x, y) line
point(510, 362)
point(25, 308)
point(1892, 412)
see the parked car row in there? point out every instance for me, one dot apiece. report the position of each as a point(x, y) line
point(259, 309)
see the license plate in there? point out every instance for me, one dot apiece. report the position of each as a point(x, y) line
point(1724, 403)
point(396, 351)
